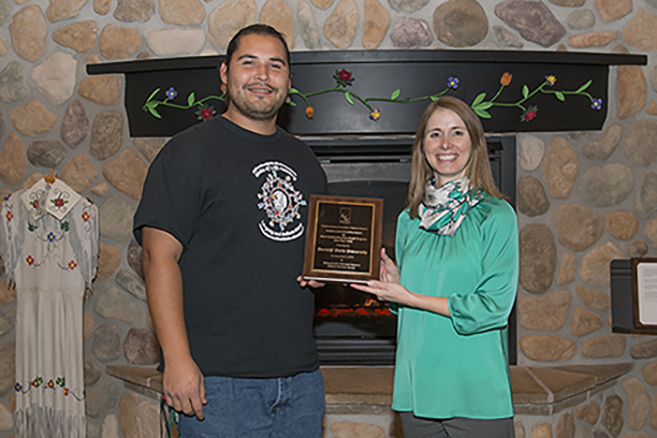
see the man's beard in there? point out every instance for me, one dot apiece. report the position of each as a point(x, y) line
point(257, 111)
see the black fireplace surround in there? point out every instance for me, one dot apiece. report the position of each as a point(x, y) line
point(365, 109)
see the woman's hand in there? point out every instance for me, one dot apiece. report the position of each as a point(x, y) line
point(385, 291)
point(389, 271)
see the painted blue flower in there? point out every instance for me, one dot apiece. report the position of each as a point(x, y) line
point(596, 103)
point(51, 236)
point(171, 93)
point(453, 82)
point(18, 387)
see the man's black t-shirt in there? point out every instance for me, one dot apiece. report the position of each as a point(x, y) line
point(236, 201)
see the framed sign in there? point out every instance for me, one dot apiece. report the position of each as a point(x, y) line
point(343, 240)
point(644, 293)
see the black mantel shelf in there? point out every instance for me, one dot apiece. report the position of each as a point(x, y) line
point(542, 91)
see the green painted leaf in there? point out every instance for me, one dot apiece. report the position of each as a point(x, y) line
point(64, 226)
point(483, 114)
point(349, 97)
point(560, 96)
point(485, 105)
point(434, 98)
point(525, 91)
point(585, 86)
point(395, 94)
point(480, 98)
point(154, 112)
point(291, 103)
point(191, 98)
point(153, 95)
point(293, 91)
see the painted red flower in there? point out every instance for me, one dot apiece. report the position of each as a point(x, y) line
point(85, 216)
point(59, 202)
point(530, 114)
point(72, 265)
point(206, 113)
point(51, 384)
point(30, 260)
point(344, 75)
point(35, 204)
point(9, 216)
point(65, 391)
point(35, 383)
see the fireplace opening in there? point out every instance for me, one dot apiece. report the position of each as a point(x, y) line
point(353, 328)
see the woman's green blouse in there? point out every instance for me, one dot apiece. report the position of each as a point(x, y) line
point(457, 366)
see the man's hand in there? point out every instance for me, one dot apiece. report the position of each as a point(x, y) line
point(312, 283)
point(184, 387)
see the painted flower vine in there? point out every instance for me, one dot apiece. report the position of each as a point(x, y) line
point(344, 81)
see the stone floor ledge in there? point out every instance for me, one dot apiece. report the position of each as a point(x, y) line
point(362, 390)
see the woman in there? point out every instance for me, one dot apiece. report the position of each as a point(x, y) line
point(457, 252)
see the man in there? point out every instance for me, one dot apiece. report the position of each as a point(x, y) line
point(222, 221)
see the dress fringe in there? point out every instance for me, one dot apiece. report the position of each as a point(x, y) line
point(40, 422)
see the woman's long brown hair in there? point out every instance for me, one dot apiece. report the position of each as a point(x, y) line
point(478, 167)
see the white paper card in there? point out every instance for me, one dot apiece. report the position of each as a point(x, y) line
point(647, 293)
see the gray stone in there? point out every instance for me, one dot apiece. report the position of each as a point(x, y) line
point(228, 18)
point(530, 151)
point(80, 36)
point(106, 134)
point(47, 153)
point(560, 167)
point(410, 33)
point(92, 370)
point(182, 12)
point(646, 198)
point(28, 33)
point(548, 312)
point(644, 350)
point(543, 430)
point(117, 42)
point(126, 173)
point(75, 124)
point(650, 231)
point(631, 90)
point(308, 28)
point(12, 160)
point(565, 426)
point(341, 26)
point(55, 78)
point(622, 224)
point(578, 227)
point(148, 419)
point(109, 259)
point(602, 148)
point(408, 6)
point(129, 11)
point(278, 14)
point(110, 427)
point(88, 325)
point(585, 322)
point(607, 185)
point(460, 23)
point(140, 347)
point(612, 414)
point(6, 321)
point(519, 429)
point(115, 219)
point(581, 19)
point(547, 348)
point(595, 265)
point(13, 83)
point(534, 21)
point(567, 269)
point(134, 257)
point(127, 416)
point(148, 146)
point(7, 367)
point(538, 258)
point(171, 42)
point(131, 283)
point(599, 434)
point(102, 398)
point(2, 124)
point(593, 298)
point(640, 142)
point(106, 345)
point(33, 118)
point(568, 3)
point(6, 419)
point(5, 11)
point(505, 38)
point(590, 412)
point(532, 199)
point(637, 248)
point(604, 346)
point(92, 429)
point(113, 303)
point(79, 173)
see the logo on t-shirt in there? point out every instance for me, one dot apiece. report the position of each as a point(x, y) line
point(280, 200)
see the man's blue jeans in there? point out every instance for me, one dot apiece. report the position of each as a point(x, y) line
point(285, 407)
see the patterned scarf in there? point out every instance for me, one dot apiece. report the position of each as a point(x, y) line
point(443, 209)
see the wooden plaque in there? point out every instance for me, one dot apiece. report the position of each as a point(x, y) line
point(343, 240)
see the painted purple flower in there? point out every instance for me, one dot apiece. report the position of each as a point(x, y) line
point(171, 93)
point(453, 82)
point(596, 103)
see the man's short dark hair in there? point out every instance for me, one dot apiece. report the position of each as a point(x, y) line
point(255, 29)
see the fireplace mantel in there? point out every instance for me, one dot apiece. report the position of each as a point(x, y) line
point(385, 91)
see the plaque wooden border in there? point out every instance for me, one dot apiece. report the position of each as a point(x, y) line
point(649, 328)
point(337, 275)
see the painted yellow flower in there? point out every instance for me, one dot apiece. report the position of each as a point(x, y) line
point(551, 79)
